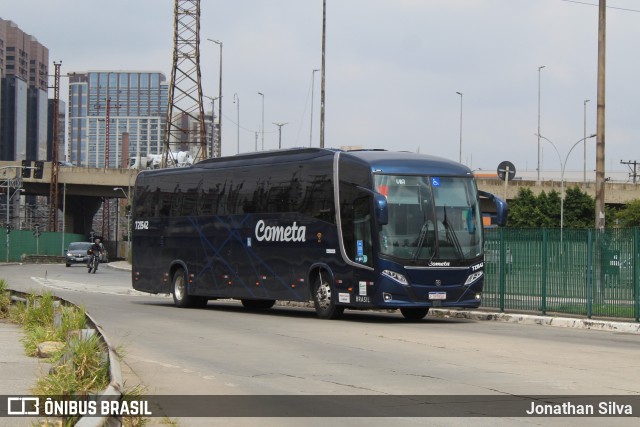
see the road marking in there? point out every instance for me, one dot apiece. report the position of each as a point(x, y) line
point(84, 287)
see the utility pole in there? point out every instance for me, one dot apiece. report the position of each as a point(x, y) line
point(633, 174)
point(600, 140)
point(313, 80)
point(53, 186)
point(279, 133)
point(324, 37)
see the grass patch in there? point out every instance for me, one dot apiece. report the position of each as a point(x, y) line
point(5, 300)
point(81, 367)
point(44, 319)
point(81, 370)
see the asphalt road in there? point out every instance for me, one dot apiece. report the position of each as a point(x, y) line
point(222, 349)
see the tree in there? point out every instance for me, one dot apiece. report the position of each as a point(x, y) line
point(528, 211)
point(579, 209)
point(629, 216)
point(549, 205)
point(524, 211)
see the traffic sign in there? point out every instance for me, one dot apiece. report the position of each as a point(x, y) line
point(505, 168)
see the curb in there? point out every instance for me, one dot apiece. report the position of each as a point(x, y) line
point(529, 319)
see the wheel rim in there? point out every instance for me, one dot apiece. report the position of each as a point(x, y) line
point(323, 295)
point(178, 288)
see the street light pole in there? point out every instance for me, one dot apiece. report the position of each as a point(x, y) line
point(562, 167)
point(313, 80)
point(236, 100)
point(262, 95)
point(279, 133)
point(539, 70)
point(460, 153)
point(219, 43)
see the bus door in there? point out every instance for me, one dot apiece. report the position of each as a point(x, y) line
point(356, 211)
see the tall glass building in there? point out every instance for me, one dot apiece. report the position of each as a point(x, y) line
point(136, 104)
point(23, 94)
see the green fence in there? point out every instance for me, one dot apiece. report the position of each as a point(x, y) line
point(583, 272)
point(23, 242)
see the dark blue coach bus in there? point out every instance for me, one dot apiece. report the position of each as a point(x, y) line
point(345, 229)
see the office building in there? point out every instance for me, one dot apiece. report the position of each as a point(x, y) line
point(135, 103)
point(23, 94)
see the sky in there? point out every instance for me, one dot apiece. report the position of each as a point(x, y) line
point(393, 70)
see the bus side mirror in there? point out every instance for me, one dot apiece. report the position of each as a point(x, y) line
point(381, 209)
point(499, 211)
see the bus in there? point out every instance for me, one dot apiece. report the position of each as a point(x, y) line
point(366, 229)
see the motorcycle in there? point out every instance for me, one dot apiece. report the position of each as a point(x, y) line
point(94, 260)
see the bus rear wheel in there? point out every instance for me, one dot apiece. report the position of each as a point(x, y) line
point(414, 313)
point(180, 296)
point(258, 304)
point(324, 299)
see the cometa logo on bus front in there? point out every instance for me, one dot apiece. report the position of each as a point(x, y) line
point(291, 233)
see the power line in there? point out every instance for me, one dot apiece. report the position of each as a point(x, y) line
point(244, 128)
point(608, 7)
point(633, 172)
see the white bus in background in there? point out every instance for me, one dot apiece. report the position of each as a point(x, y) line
point(153, 161)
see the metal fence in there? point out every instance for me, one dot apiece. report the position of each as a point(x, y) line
point(24, 242)
point(582, 272)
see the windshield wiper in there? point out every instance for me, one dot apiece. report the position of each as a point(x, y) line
point(451, 235)
point(421, 238)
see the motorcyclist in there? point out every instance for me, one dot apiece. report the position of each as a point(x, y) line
point(96, 249)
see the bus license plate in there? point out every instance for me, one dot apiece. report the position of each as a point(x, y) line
point(437, 295)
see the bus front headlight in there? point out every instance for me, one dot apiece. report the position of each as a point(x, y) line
point(396, 277)
point(473, 277)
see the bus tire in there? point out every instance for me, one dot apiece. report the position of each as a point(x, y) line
point(258, 304)
point(180, 296)
point(414, 313)
point(324, 298)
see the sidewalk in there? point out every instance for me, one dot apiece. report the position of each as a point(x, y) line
point(18, 372)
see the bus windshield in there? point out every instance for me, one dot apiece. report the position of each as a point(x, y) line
point(430, 218)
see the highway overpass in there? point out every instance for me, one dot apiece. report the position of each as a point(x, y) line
point(83, 189)
point(616, 193)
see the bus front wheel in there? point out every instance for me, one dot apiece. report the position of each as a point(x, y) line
point(324, 299)
point(180, 296)
point(414, 313)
